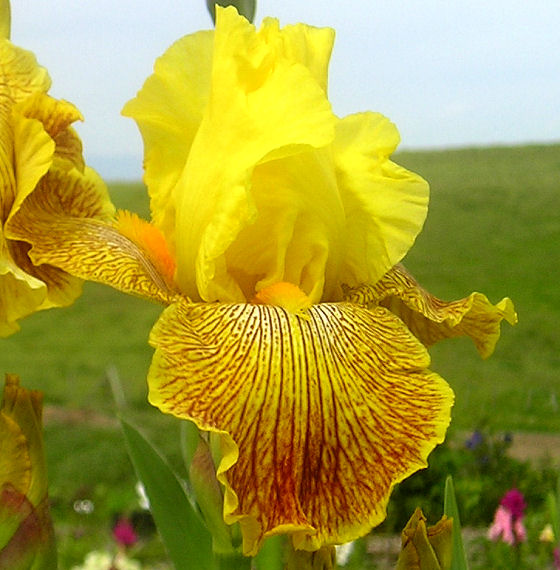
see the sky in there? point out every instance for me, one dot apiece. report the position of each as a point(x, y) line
point(448, 74)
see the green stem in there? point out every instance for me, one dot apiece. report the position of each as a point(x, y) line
point(233, 562)
point(322, 559)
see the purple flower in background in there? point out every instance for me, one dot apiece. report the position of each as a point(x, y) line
point(508, 520)
point(475, 440)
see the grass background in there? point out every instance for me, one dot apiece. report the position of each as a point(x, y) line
point(493, 226)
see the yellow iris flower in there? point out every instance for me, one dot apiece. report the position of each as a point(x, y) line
point(39, 152)
point(290, 330)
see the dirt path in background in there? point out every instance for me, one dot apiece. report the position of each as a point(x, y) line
point(61, 415)
point(535, 446)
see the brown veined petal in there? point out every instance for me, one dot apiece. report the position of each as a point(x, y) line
point(68, 146)
point(431, 319)
point(21, 74)
point(319, 415)
point(24, 287)
point(67, 220)
point(56, 116)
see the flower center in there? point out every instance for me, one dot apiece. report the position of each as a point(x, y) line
point(285, 295)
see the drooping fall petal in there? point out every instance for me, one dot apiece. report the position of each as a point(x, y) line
point(431, 319)
point(320, 415)
point(69, 226)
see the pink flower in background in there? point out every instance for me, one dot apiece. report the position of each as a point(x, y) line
point(123, 532)
point(508, 520)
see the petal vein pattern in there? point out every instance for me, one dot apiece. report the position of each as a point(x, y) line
point(430, 319)
point(326, 413)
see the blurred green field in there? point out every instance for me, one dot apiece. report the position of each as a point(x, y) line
point(493, 226)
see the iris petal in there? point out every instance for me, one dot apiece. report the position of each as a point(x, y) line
point(68, 222)
point(56, 117)
point(35, 138)
point(168, 110)
point(257, 102)
point(296, 235)
point(431, 319)
point(385, 204)
point(319, 416)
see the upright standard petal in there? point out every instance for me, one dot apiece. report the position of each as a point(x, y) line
point(431, 319)
point(295, 237)
point(320, 415)
point(168, 111)
point(385, 204)
point(264, 105)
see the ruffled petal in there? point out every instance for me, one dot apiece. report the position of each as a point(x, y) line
point(34, 130)
point(33, 156)
point(306, 45)
point(56, 117)
point(263, 106)
point(68, 220)
point(21, 74)
point(20, 292)
point(319, 415)
point(296, 235)
point(168, 111)
point(20, 77)
point(26, 153)
point(385, 204)
point(431, 319)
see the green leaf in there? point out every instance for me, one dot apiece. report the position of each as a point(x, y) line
point(246, 8)
point(187, 540)
point(552, 504)
point(459, 560)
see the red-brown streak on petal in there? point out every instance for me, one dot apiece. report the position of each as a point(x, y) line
point(95, 251)
point(69, 147)
point(55, 115)
point(53, 277)
point(430, 319)
point(34, 532)
point(328, 412)
point(67, 220)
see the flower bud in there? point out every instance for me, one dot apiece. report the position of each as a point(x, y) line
point(26, 532)
point(426, 548)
